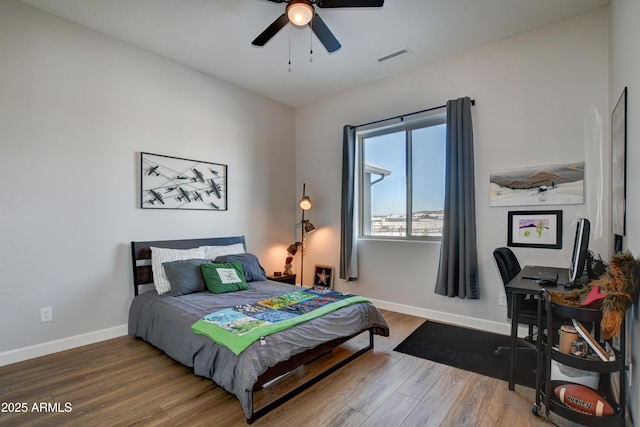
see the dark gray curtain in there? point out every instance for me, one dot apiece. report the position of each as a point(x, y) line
point(348, 243)
point(458, 270)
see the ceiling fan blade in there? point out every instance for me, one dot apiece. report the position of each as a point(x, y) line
point(349, 3)
point(324, 34)
point(271, 30)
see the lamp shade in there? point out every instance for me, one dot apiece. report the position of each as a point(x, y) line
point(308, 227)
point(305, 203)
point(299, 13)
point(293, 248)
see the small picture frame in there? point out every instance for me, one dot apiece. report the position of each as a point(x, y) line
point(535, 229)
point(323, 276)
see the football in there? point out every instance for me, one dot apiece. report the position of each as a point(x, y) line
point(583, 399)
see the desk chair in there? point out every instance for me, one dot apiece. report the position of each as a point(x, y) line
point(509, 267)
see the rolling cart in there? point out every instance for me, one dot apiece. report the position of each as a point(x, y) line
point(549, 353)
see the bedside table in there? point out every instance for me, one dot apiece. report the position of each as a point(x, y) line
point(285, 278)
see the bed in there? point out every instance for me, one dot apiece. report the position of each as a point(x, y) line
point(253, 375)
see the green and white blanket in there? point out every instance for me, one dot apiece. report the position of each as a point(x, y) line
point(238, 327)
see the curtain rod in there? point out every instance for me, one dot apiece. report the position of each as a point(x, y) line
point(473, 102)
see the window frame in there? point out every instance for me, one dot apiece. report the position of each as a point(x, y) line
point(434, 119)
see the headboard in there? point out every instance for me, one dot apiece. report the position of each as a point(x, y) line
point(141, 254)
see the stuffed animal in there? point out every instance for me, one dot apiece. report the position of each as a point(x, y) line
point(287, 265)
point(620, 285)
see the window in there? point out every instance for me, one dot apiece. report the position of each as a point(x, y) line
point(402, 173)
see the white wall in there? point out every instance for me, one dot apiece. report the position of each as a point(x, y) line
point(625, 72)
point(541, 98)
point(76, 108)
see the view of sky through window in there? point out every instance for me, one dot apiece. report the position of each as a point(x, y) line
point(388, 197)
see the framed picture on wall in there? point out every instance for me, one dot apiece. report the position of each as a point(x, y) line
point(554, 184)
point(619, 166)
point(535, 229)
point(175, 183)
point(323, 276)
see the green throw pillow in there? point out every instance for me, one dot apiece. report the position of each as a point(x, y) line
point(222, 278)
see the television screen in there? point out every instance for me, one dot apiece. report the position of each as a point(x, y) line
point(580, 250)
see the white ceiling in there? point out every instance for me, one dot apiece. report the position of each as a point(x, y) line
point(214, 36)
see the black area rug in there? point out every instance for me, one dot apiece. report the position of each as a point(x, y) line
point(470, 350)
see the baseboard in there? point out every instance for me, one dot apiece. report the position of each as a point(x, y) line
point(50, 347)
point(503, 328)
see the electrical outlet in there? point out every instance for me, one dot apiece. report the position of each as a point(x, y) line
point(46, 314)
point(502, 299)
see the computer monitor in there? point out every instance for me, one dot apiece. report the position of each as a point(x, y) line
point(580, 250)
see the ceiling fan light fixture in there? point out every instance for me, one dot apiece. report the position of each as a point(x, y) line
point(300, 13)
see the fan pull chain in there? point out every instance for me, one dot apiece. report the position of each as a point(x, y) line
point(311, 41)
point(289, 47)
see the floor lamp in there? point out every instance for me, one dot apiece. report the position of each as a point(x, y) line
point(305, 228)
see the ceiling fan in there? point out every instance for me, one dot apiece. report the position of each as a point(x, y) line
point(301, 13)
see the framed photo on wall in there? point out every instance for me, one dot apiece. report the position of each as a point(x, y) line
point(619, 166)
point(175, 183)
point(555, 184)
point(535, 229)
point(323, 276)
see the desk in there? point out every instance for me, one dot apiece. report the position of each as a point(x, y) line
point(520, 286)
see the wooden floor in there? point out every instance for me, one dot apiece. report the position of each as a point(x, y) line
point(125, 381)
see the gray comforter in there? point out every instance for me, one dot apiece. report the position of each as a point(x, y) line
point(165, 321)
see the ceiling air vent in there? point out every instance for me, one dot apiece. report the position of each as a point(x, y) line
point(394, 55)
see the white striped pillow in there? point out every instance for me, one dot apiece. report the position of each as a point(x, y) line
point(213, 252)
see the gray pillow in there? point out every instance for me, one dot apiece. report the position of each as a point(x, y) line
point(185, 276)
point(250, 265)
